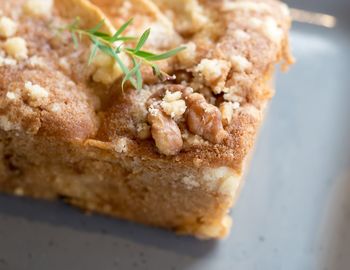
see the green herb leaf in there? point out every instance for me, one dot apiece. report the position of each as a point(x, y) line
point(156, 70)
point(130, 74)
point(138, 75)
point(75, 40)
point(96, 28)
point(102, 35)
point(93, 53)
point(142, 54)
point(142, 40)
point(107, 44)
point(126, 39)
point(165, 55)
point(121, 30)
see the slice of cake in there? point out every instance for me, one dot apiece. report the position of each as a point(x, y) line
point(170, 154)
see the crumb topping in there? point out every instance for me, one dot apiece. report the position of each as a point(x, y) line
point(246, 6)
point(37, 94)
point(173, 105)
point(8, 27)
point(210, 106)
point(38, 8)
point(16, 47)
point(6, 60)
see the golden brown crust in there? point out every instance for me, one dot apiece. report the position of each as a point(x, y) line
point(241, 36)
point(251, 86)
point(51, 97)
point(85, 11)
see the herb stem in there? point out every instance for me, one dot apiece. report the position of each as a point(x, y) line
point(115, 45)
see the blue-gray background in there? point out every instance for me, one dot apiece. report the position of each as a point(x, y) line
point(294, 212)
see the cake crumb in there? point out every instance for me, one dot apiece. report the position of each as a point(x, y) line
point(64, 64)
point(226, 112)
point(241, 35)
point(188, 57)
point(172, 96)
point(240, 63)
point(7, 27)
point(121, 145)
point(190, 182)
point(16, 47)
point(210, 69)
point(173, 105)
point(214, 73)
point(246, 6)
point(272, 30)
point(19, 191)
point(11, 96)
point(6, 61)
point(106, 68)
point(55, 107)
point(38, 8)
point(36, 61)
point(7, 125)
point(255, 23)
point(143, 131)
point(37, 94)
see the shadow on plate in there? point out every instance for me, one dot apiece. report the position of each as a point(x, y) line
point(335, 232)
point(335, 244)
point(59, 214)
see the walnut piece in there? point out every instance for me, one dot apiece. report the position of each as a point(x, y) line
point(165, 132)
point(204, 119)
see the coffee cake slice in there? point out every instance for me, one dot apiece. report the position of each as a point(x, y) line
point(170, 155)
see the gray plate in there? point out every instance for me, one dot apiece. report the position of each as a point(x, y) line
point(294, 212)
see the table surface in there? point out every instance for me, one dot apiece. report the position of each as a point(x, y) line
point(294, 211)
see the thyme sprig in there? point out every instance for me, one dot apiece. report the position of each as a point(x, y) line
point(116, 44)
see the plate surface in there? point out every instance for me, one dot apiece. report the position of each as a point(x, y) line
point(294, 212)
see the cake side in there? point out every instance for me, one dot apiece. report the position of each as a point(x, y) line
point(171, 155)
point(97, 178)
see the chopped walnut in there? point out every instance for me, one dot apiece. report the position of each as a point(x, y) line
point(204, 119)
point(165, 132)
